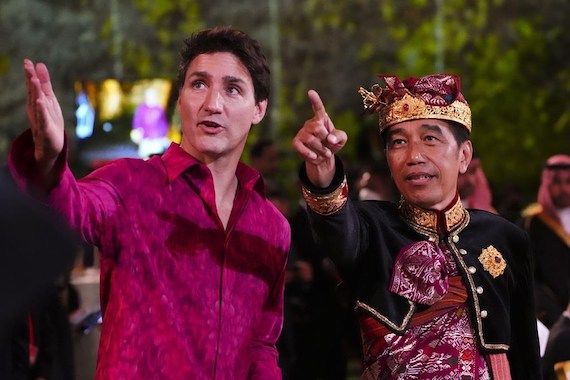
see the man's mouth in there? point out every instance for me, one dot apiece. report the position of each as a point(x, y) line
point(419, 178)
point(211, 126)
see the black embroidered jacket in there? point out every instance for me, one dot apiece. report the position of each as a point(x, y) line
point(492, 256)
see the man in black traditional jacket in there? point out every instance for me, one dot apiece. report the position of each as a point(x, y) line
point(442, 292)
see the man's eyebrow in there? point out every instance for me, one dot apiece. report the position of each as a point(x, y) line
point(394, 130)
point(232, 79)
point(432, 127)
point(200, 74)
point(227, 79)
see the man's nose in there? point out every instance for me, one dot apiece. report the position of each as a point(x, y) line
point(415, 153)
point(213, 101)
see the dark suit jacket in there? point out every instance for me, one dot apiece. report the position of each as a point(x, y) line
point(35, 248)
point(557, 348)
point(552, 268)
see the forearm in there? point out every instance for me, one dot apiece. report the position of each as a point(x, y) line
point(83, 206)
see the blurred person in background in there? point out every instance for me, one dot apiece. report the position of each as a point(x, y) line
point(375, 184)
point(37, 251)
point(548, 225)
point(264, 157)
point(474, 189)
point(192, 252)
point(317, 325)
point(558, 346)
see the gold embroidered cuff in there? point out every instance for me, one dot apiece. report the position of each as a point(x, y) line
point(327, 204)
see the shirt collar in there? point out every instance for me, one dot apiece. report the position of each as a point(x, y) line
point(176, 161)
point(440, 222)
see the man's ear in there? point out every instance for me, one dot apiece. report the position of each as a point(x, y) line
point(259, 112)
point(465, 156)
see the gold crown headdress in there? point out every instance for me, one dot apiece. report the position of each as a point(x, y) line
point(431, 97)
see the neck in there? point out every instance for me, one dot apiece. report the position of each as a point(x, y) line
point(224, 176)
point(222, 166)
point(223, 170)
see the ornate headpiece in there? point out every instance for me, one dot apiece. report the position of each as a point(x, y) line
point(435, 96)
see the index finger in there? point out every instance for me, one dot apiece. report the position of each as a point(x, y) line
point(29, 71)
point(317, 104)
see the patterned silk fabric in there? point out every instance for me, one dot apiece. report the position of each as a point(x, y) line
point(440, 342)
point(420, 273)
point(435, 90)
point(182, 297)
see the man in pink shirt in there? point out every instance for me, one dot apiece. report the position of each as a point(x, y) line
point(192, 252)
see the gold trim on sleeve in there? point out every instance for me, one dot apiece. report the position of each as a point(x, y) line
point(327, 204)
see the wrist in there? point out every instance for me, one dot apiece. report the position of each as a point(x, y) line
point(327, 204)
point(321, 174)
point(46, 169)
point(43, 158)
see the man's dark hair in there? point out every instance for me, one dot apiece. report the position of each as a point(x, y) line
point(224, 39)
point(259, 147)
point(460, 133)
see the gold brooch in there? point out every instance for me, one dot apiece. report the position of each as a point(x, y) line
point(493, 261)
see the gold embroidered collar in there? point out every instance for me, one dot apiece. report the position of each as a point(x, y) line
point(430, 222)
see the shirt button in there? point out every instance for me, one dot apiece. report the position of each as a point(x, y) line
point(472, 270)
point(479, 290)
point(483, 313)
point(462, 251)
point(455, 238)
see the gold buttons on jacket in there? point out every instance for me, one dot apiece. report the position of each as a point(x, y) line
point(472, 270)
point(455, 238)
point(463, 252)
point(479, 290)
point(483, 313)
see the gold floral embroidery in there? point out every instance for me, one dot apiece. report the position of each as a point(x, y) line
point(410, 107)
point(493, 261)
point(427, 219)
point(327, 204)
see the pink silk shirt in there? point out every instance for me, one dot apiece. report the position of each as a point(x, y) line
point(182, 298)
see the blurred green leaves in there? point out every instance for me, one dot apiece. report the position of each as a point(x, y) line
point(511, 55)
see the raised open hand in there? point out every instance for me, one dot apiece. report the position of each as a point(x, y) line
point(44, 115)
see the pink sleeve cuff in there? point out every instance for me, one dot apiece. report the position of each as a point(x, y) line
point(21, 163)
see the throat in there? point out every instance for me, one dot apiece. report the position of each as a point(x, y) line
point(225, 196)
